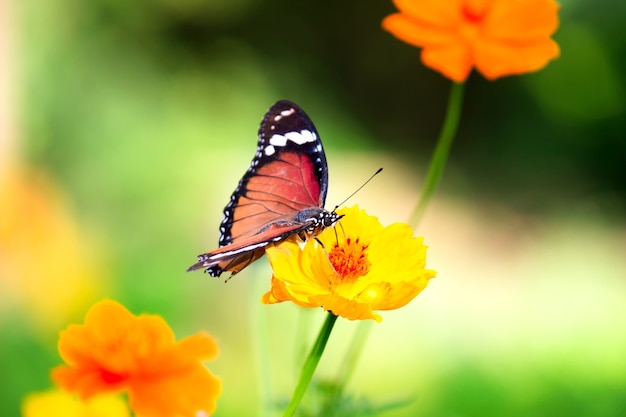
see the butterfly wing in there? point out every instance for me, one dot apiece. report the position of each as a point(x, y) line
point(287, 176)
point(237, 256)
point(289, 173)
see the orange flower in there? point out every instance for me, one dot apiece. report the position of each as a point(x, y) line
point(362, 267)
point(116, 351)
point(497, 37)
point(40, 246)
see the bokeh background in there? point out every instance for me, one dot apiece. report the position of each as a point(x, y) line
point(126, 125)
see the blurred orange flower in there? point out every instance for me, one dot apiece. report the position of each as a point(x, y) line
point(41, 244)
point(497, 37)
point(117, 351)
point(362, 267)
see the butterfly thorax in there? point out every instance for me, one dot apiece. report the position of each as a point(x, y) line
point(318, 219)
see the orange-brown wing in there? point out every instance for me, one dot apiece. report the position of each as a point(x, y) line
point(288, 174)
point(235, 257)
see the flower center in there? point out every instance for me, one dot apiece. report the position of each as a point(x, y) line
point(112, 378)
point(473, 13)
point(350, 259)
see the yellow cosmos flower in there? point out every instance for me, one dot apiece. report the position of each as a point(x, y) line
point(59, 403)
point(361, 267)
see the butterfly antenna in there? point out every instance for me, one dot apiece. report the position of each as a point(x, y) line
point(359, 189)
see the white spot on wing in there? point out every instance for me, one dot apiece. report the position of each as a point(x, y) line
point(270, 150)
point(278, 140)
point(299, 138)
point(302, 137)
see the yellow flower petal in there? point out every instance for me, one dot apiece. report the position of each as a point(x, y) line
point(59, 403)
point(361, 267)
point(349, 309)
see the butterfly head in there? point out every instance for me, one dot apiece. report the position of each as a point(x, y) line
point(330, 218)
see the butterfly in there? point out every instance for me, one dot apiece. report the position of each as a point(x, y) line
point(282, 193)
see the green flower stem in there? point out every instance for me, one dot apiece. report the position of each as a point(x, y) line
point(310, 364)
point(440, 155)
point(352, 356)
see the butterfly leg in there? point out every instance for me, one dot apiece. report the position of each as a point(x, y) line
point(251, 259)
point(342, 231)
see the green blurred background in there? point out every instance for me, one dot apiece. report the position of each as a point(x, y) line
point(144, 116)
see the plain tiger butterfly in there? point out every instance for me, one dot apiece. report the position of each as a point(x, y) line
point(281, 194)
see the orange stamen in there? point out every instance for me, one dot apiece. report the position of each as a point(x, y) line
point(350, 259)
